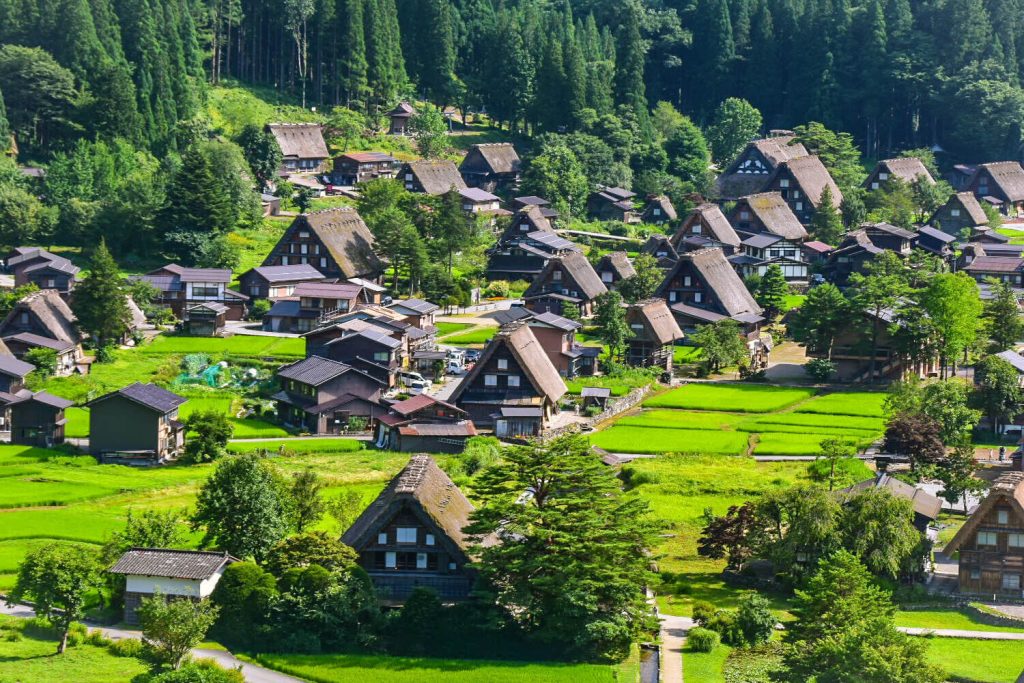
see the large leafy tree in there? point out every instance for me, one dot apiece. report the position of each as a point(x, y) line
point(557, 175)
point(571, 565)
point(879, 529)
point(262, 152)
point(57, 577)
point(735, 123)
point(244, 507)
point(430, 129)
point(172, 628)
point(610, 318)
point(845, 631)
point(876, 293)
point(643, 283)
point(952, 302)
point(997, 390)
point(100, 300)
point(721, 344)
point(916, 436)
point(39, 94)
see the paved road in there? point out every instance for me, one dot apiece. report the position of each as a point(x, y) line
point(673, 636)
point(252, 672)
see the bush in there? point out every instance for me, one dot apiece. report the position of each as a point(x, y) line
point(97, 638)
point(497, 288)
point(258, 309)
point(199, 671)
point(820, 369)
point(12, 636)
point(702, 639)
point(703, 611)
point(755, 619)
point(127, 647)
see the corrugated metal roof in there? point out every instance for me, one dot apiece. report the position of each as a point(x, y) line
point(177, 564)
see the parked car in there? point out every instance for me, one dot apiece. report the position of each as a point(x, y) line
point(472, 355)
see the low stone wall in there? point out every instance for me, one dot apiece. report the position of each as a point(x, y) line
point(615, 407)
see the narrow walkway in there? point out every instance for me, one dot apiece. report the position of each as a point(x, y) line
point(958, 633)
point(673, 636)
point(252, 672)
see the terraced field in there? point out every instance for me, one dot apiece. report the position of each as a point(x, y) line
point(738, 419)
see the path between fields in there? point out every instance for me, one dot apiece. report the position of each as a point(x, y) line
point(673, 636)
point(252, 672)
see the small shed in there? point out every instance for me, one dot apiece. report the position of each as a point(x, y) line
point(175, 574)
point(400, 117)
point(205, 319)
point(595, 396)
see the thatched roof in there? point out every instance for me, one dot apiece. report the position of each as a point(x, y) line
point(1008, 176)
point(618, 263)
point(300, 140)
point(436, 176)
point(578, 268)
point(1008, 489)
point(773, 211)
point(812, 177)
point(969, 203)
point(720, 277)
point(906, 169)
point(713, 224)
point(659, 243)
point(657, 319)
point(492, 157)
point(423, 489)
point(668, 209)
point(402, 110)
point(519, 339)
point(53, 313)
point(735, 183)
point(347, 239)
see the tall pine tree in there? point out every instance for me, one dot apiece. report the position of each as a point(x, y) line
point(100, 300)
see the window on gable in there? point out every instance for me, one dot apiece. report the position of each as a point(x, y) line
point(490, 380)
point(503, 364)
point(799, 206)
point(556, 275)
point(513, 380)
point(430, 539)
point(406, 534)
point(1015, 540)
point(954, 212)
point(784, 182)
point(1003, 516)
point(382, 538)
point(987, 538)
point(1011, 581)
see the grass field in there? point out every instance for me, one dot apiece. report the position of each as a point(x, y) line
point(775, 443)
point(478, 335)
point(382, 669)
point(744, 398)
point(626, 439)
point(705, 667)
point(299, 446)
point(865, 403)
point(686, 354)
point(451, 328)
point(77, 426)
point(239, 345)
point(948, 618)
point(794, 301)
point(978, 661)
point(27, 658)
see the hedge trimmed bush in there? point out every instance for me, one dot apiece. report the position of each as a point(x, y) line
point(702, 640)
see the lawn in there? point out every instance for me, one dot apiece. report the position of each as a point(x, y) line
point(627, 439)
point(244, 427)
point(866, 403)
point(383, 669)
point(744, 398)
point(77, 426)
point(939, 618)
point(239, 345)
point(978, 661)
point(794, 301)
point(32, 659)
point(687, 354)
point(478, 335)
point(705, 667)
point(451, 328)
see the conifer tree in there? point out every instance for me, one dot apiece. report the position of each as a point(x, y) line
point(629, 64)
point(772, 291)
point(353, 62)
point(5, 128)
point(827, 224)
point(100, 300)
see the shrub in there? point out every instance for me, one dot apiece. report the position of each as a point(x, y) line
point(199, 671)
point(40, 627)
point(12, 636)
point(97, 638)
point(127, 647)
point(820, 369)
point(497, 288)
point(45, 361)
point(357, 424)
point(480, 452)
point(703, 611)
point(755, 619)
point(258, 309)
point(702, 639)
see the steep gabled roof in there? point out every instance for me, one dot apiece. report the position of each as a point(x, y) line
point(773, 211)
point(347, 239)
point(175, 564)
point(659, 242)
point(436, 176)
point(530, 356)
point(970, 204)
point(403, 110)
point(1007, 489)
point(812, 176)
point(300, 140)
point(423, 488)
point(1008, 177)
point(499, 157)
point(578, 268)
point(906, 169)
point(734, 183)
point(52, 312)
point(668, 209)
point(655, 316)
point(720, 277)
point(617, 262)
point(710, 216)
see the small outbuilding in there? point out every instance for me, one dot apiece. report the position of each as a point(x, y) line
point(136, 424)
point(174, 574)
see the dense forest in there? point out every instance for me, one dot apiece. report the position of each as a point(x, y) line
point(894, 73)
